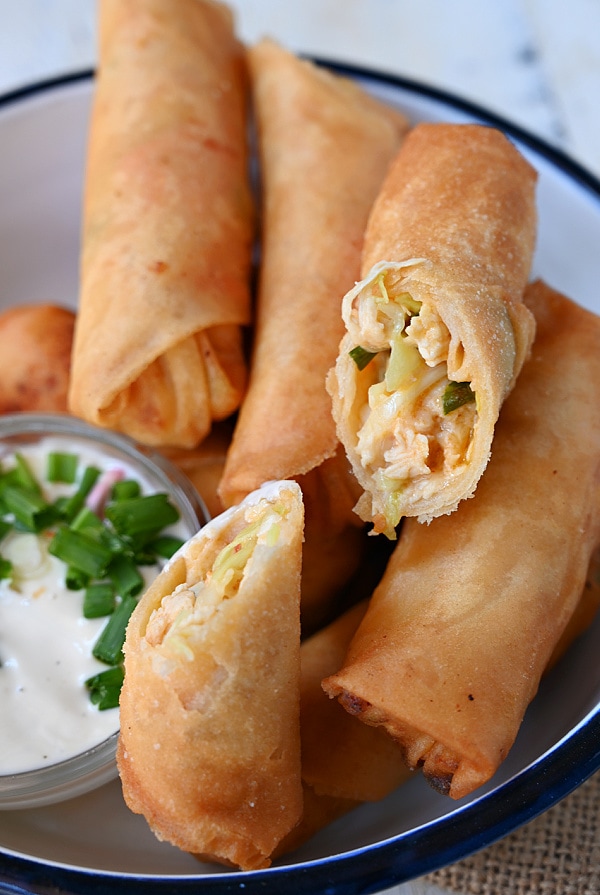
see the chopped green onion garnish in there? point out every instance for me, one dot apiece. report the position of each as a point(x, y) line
point(144, 555)
point(75, 579)
point(91, 525)
point(22, 475)
point(29, 508)
point(98, 600)
point(109, 646)
point(125, 576)
point(101, 550)
point(455, 395)
point(61, 467)
point(87, 521)
point(125, 488)
point(361, 356)
point(77, 500)
point(142, 515)
point(105, 688)
point(81, 552)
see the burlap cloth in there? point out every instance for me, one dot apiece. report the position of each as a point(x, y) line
point(558, 853)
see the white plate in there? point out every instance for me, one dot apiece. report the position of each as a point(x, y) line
point(92, 843)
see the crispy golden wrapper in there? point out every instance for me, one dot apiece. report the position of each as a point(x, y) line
point(470, 609)
point(209, 749)
point(436, 326)
point(324, 146)
point(35, 347)
point(168, 224)
point(344, 762)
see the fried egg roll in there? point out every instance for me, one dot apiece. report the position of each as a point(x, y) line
point(585, 611)
point(209, 748)
point(436, 330)
point(35, 347)
point(167, 224)
point(470, 608)
point(359, 763)
point(324, 146)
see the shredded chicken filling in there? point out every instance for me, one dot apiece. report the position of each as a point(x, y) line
point(405, 435)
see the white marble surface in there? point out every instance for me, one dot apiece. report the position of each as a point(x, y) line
point(535, 62)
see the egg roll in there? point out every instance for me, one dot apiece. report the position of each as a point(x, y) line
point(35, 347)
point(436, 329)
point(318, 812)
point(470, 608)
point(209, 747)
point(584, 614)
point(344, 762)
point(167, 224)
point(360, 763)
point(324, 146)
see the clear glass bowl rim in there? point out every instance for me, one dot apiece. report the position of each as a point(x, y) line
point(92, 768)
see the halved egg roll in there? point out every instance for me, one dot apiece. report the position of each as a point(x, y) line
point(436, 328)
point(167, 224)
point(209, 749)
point(324, 146)
point(470, 608)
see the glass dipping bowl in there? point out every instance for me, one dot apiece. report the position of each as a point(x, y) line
point(95, 766)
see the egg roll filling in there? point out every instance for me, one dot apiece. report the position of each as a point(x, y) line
point(179, 619)
point(415, 423)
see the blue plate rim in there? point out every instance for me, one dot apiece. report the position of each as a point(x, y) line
point(421, 850)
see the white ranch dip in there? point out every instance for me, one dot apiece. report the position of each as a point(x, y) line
point(45, 641)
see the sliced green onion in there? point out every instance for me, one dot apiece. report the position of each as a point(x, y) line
point(144, 555)
point(98, 600)
point(455, 395)
point(29, 508)
point(75, 579)
point(22, 475)
point(61, 467)
point(80, 551)
point(101, 553)
point(361, 357)
point(76, 501)
point(125, 576)
point(87, 521)
point(142, 515)
point(165, 546)
point(105, 688)
point(108, 648)
point(90, 524)
point(124, 489)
